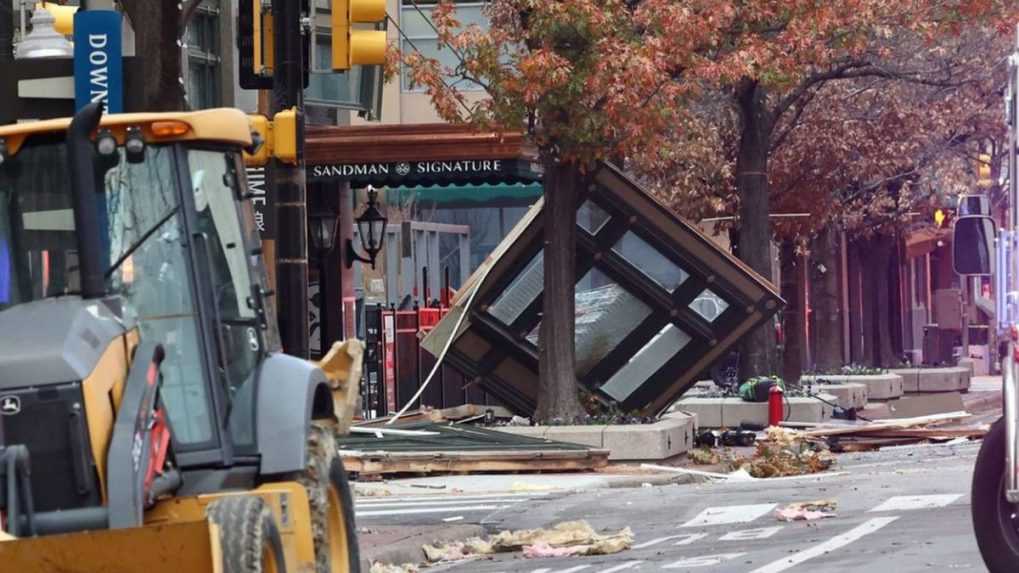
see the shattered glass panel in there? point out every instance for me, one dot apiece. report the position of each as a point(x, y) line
point(521, 292)
point(666, 344)
point(605, 314)
point(650, 261)
point(591, 217)
point(709, 305)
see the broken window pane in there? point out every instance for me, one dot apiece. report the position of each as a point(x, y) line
point(606, 313)
point(666, 344)
point(591, 217)
point(709, 305)
point(521, 292)
point(650, 261)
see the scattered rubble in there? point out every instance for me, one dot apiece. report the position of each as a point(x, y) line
point(808, 510)
point(388, 568)
point(567, 538)
point(784, 453)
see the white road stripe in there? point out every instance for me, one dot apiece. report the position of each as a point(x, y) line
point(751, 534)
point(442, 502)
point(866, 528)
point(730, 514)
point(703, 561)
point(911, 502)
point(389, 499)
point(622, 567)
point(574, 569)
point(687, 538)
point(428, 510)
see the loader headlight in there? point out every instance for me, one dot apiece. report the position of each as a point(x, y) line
point(134, 145)
point(106, 144)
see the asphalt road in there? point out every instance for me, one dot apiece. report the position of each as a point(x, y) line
point(900, 510)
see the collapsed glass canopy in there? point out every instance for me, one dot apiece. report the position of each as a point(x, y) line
point(657, 303)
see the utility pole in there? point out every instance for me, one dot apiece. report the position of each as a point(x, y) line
point(288, 182)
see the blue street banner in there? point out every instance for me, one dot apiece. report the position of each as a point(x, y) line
point(98, 63)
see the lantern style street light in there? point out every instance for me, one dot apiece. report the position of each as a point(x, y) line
point(323, 231)
point(371, 227)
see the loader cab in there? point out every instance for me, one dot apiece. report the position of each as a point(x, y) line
point(180, 256)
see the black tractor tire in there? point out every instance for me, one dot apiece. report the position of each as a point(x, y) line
point(248, 534)
point(994, 521)
point(332, 503)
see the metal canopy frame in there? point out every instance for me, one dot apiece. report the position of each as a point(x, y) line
point(504, 361)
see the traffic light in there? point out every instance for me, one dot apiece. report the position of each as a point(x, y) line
point(984, 171)
point(353, 47)
point(277, 138)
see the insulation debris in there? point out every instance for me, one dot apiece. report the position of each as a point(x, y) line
point(786, 452)
point(567, 538)
point(808, 510)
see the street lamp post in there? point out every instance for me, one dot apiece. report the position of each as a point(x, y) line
point(371, 227)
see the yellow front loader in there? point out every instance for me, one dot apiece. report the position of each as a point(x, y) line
point(148, 421)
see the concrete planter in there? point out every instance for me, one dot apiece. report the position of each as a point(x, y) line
point(732, 411)
point(954, 379)
point(849, 395)
point(671, 436)
point(879, 386)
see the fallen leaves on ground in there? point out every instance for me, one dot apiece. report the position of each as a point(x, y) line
point(567, 538)
point(704, 456)
point(808, 510)
point(786, 453)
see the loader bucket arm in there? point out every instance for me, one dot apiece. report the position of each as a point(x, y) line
point(192, 546)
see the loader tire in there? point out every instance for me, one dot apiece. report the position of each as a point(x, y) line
point(248, 534)
point(332, 504)
point(994, 518)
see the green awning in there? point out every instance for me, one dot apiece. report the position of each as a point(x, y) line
point(488, 195)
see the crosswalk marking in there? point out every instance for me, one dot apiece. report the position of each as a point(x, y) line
point(911, 502)
point(418, 510)
point(868, 527)
point(389, 498)
point(686, 539)
point(703, 560)
point(574, 569)
point(730, 514)
point(622, 567)
point(751, 534)
point(441, 502)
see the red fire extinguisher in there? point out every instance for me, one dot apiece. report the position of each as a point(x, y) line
point(775, 410)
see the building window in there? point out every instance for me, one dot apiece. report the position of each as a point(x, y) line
point(202, 64)
point(415, 21)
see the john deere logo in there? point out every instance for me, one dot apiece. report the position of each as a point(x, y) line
point(10, 405)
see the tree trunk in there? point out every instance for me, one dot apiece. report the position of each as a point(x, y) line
point(792, 317)
point(758, 355)
point(824, 282)
point(155, 78)
point(557, 390)
point(881, 256)
point(854, 271)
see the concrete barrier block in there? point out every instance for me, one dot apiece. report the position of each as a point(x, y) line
point(670, 437)
point(529, 431)
point(879, 386)
point(731, 412)
point(953, 379)
point(847, 395)
point(584, 435)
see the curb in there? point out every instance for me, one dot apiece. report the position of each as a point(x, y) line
point(655, 480)
point(408, 549)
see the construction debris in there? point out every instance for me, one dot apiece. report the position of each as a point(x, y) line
point(388, 568)
point(565, 539)
point(895, 432)
point(808, 510)
point(786, 453)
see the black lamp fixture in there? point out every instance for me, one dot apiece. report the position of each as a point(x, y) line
point(323, 230)
point(371, 227)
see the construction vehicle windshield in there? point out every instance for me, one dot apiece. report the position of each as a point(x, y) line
point(174, 232)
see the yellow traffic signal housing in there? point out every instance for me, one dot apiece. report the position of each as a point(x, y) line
point(261, 128)
point(279, 138)
point(285, 136)
point(984, 171)
point(352, 47)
